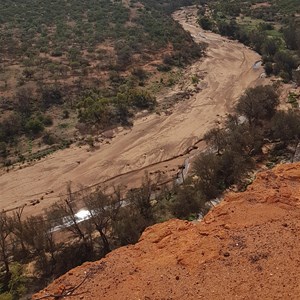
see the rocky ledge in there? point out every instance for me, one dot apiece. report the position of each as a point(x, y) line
point(248, 247)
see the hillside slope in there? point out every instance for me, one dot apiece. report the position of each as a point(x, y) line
point(245, 248)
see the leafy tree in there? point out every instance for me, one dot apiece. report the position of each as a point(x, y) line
point(96, 111)
point(296, 76)
point(292, 34)
point(244, 139)
point(228, 28)
point(24, 101)
point(233, 165)
point(187, 201)
point(268, 68)
point(129, 225)
point(206, 168)
point(136, 214)
point(216, 137)
point(286, 126)
point(270, 47)
point(37, 232)
point(257, 40)
point(10, 127)
point(34, 126)
point(140, 73)
point(258, 104)
point(51, 95)
point(286, 62)
point(206, 23)
point(3, 149)
point(140, 199)
point(141, 99)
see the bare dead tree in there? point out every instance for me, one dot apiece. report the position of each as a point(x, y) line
point(18, 227)
point(64, 213)
point(102, 209)
point(5, 231)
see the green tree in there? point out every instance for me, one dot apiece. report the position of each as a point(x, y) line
point(34, 126)
point(286, 126)
point(206, 168)
point(216, 138)
point(270, 47)
point(187, 201)
point(258, 104)
point(206, 23)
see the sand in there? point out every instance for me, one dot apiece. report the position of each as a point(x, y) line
point(156, 142)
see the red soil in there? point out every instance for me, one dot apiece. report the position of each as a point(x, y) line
point(245, 248)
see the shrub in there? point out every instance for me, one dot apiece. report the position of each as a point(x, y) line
point(206, 23)
point(286, 126)
point(268, 68)
point(34, 126)
point(187, 201)
point(141, 99)
point(49, 139)
point(258, 103)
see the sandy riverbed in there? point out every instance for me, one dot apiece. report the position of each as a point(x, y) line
point(227, 69)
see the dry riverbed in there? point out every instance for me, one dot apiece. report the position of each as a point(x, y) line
point(157, 143)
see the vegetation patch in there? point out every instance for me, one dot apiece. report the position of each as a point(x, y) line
point(91, 63)
point(270, 30)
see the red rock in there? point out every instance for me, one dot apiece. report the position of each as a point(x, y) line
point(246, 248)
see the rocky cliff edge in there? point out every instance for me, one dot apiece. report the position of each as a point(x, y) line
point(248, 247)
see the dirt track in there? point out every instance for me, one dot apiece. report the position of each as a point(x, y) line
point(227, 71)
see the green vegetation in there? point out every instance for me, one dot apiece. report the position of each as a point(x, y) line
point(235, 148)
point(55, 53)
point(271, 29)
point(16, 285)
point(118, 217)
point(86, 67)
point(103, 112)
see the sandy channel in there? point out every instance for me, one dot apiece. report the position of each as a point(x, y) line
point(156, 143)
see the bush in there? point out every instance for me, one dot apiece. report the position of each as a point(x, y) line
point(268, 68)
point(3, 149)
point(34, 126)
point(141, 99)
point(258, 103)
point(286, 126)
point(163, 68)
point(206, 168)
point(49, 139)
point(6, 296)
point(50, 96)
point(46, 120)
point(17, 284)
point(206, 23)
point(187, 201)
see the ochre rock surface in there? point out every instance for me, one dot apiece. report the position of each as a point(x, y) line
point(248, 247)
